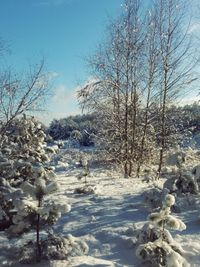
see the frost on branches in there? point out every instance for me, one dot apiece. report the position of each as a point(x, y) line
point(156, 245)
point(26, 181)
point(53, 248)
point(182, 181)
point(34, 211)
point(23, 157)
point(24, 174)
point(86, 188)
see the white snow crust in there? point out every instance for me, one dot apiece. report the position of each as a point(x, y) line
point(108, 220)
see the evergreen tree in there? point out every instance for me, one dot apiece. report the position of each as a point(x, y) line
point(157, 247)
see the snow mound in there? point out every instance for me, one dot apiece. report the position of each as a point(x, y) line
point(53, 248)
point(87, 190)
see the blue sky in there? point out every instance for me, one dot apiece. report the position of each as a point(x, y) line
point(65, 32)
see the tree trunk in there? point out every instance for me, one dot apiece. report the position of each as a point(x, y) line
point(38, 245)
point(163, 122)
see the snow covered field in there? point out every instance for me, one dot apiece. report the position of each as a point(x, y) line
point(108, 221)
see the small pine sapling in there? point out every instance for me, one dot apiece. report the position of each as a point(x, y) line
point(25, 182)
point(23, 157)
point(75, 138)
point(156, 245)
point(87, 188)
point(85, 170)
point(38, 211)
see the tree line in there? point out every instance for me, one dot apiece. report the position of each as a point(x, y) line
point(78, 127)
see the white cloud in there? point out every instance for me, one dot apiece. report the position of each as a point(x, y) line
point(47, 117)
point(43, 80)
point(52, 75)
point(63, 96)
point(89, 81)
point(62, 104)
point(189, 100)
point(195, 27)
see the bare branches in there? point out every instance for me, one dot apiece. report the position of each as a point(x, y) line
point(175, 65)
point(21, 94)
point(144, 65)
point(117, 93)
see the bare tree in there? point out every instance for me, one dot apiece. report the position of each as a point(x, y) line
point(117, 91)
point(150, 79)
point(175, 59)
point(145, 64)
point(21, 94)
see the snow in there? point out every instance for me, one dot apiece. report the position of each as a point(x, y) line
point(108, 220)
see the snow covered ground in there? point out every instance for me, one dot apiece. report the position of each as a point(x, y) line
point(107, 221)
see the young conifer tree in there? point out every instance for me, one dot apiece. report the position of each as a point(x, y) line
point(26, 179)
point(156, 245)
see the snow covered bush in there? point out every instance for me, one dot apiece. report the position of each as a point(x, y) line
point(85, 173)
point(23, 157)
point(85, 169)
point(196, 173)
point(27, 180)
point(53, 248)
point(34, 208)
point(76, 135)
point(177, 158)
point(87, 190)
point(7, 194)
point(153, 197)
point(156, 245)
point(182, 184)
point(34, 211)
point(182, 181)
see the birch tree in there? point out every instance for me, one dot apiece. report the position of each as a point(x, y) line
point(138, 72)
point(116, 92)
point(150, 80)
point(176, 59)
